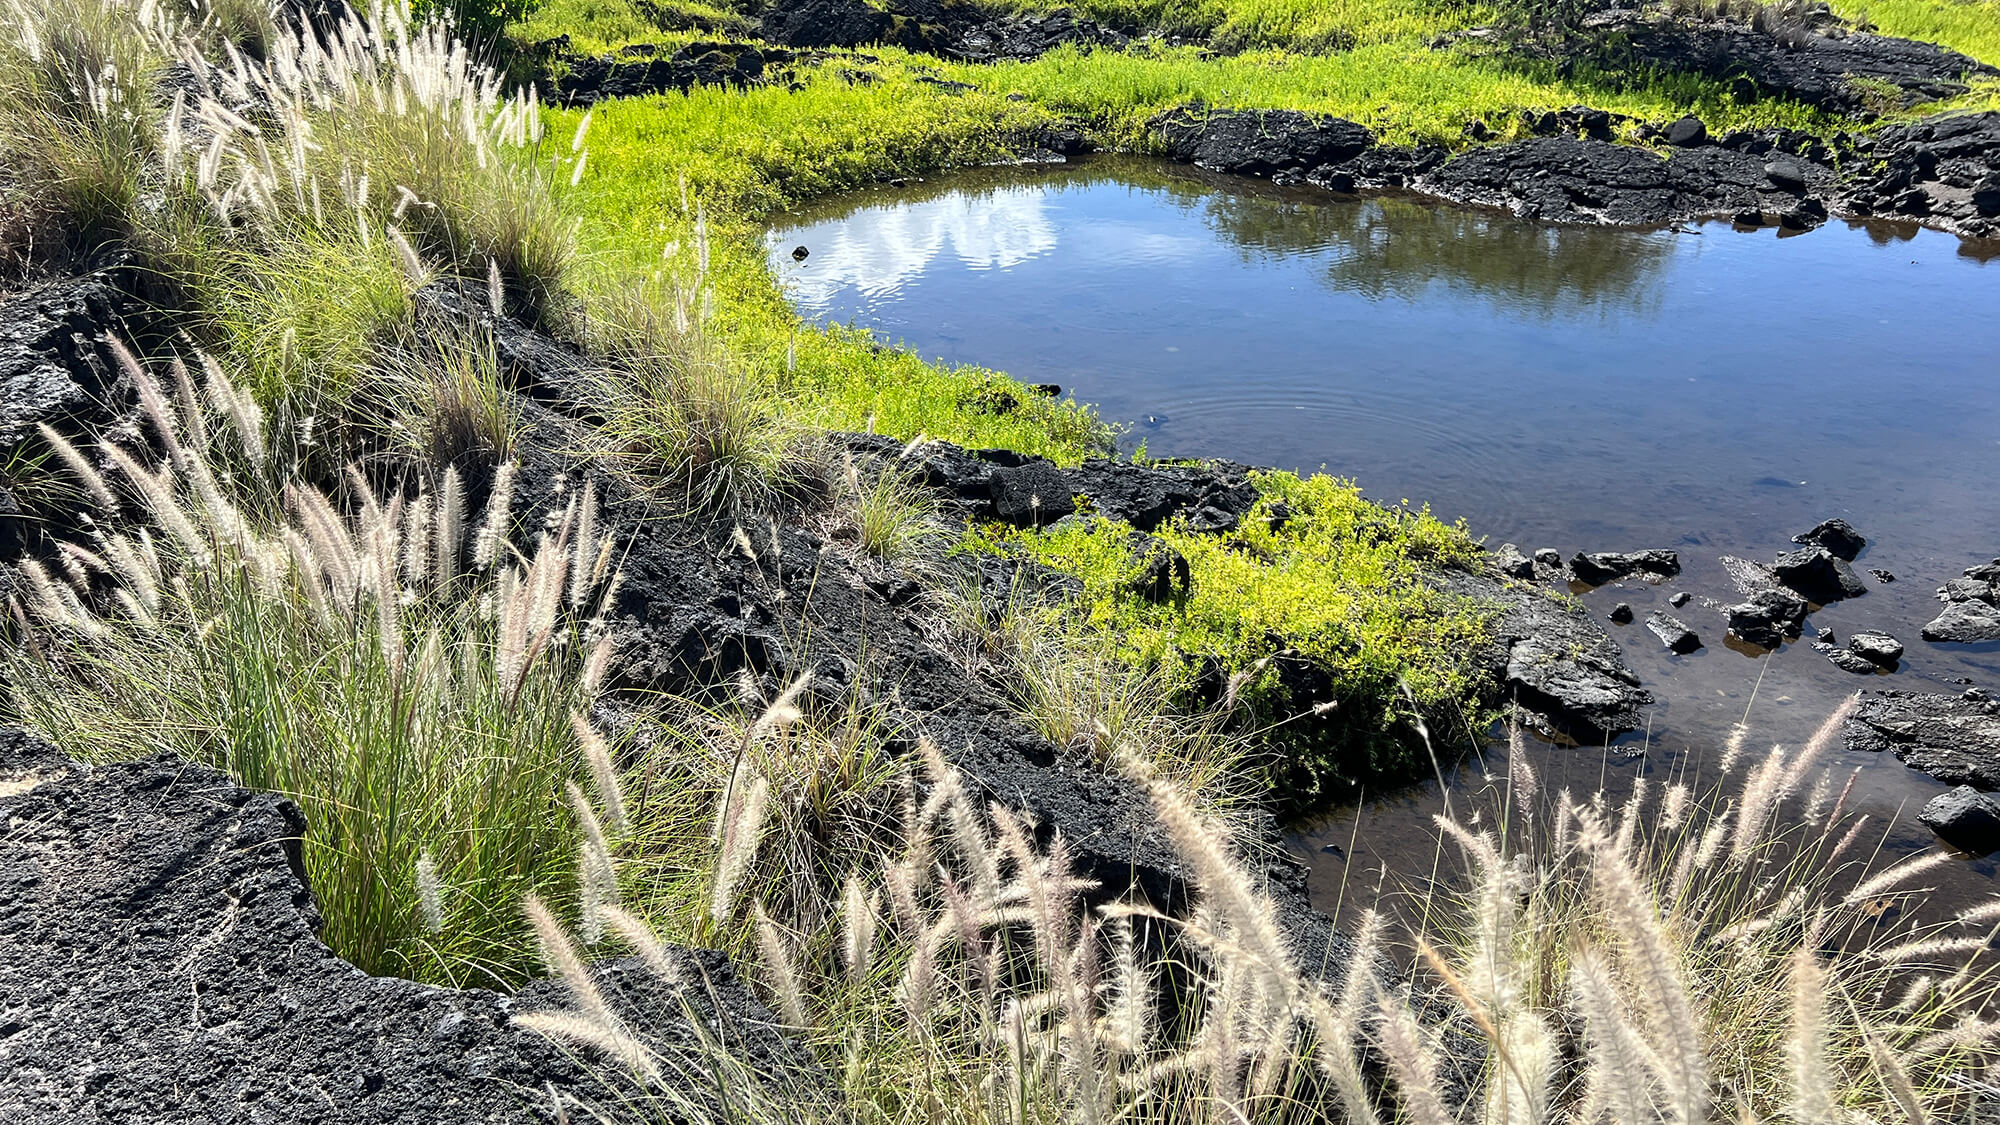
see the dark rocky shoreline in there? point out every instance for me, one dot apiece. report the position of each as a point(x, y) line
point(1942, 172)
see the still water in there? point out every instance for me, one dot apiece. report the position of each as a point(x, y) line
point(1704, 389)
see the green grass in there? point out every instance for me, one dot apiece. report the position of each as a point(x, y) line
point(1305, 25)
point(747, 156)
point(598, 27)
point(1971, 27)
point(1330, 609)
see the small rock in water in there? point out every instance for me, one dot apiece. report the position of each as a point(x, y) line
point(1880, 648)
point(1844, 660)
point(800, 253)
point(1817, 575)
point(1621, 613)
point(1599, 567)
point(1965, 623)
point(1964, 818)
point(1767, 618)
point(1881, 575)
point(1680, 599)
point(1826, 637)
point(1837, 536)
point(1673, 633)
point(1548, 557)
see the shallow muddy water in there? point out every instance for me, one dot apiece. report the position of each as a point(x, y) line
point(1708, 390)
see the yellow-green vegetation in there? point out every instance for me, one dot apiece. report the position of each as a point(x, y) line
point(726, 161)
point(1319, 615)
point(600, 26)
point(1304, 25)
point(1971, 27)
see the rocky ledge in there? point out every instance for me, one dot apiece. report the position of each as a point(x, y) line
point(1809, 58)
point(159, 961)
point(1954, 738)
point(1943, 171)
point(1971, 607)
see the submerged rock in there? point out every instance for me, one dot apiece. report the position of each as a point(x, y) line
point(1673, 632)
point(1964, 818)
point(1600, 567)
point(1954, 738)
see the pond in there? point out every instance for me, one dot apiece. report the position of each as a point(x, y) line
point(1704, 389)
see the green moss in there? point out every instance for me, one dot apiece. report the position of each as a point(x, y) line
point(1330, 604)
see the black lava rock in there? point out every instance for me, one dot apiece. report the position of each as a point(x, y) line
point(1964, 818)
point(1972, 607)
point(1163, 573)
point(1548, 557)
point(1621, 613)
point(1035, 494)
point(1509, 560)
point(1687, 132)
point(1600, 567)
point(1673, 633)
point(1680, 598)
point(1260, 142)
point(1954, 738)
point(1846, 661)
point(1880, 648)
point(1767, 617)
point(1818, 575)
point(1837, 536)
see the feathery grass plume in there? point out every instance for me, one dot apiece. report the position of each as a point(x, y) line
point(158, 494)
point(1619, 1077)
point(107, 501)
point(1895, 876)
point(496, 293)
point(597, 665)
point(1129, 1013)
point(597, 877)
point(497, 528)
point(449, 529)
point(1410, 1062)
point(1674, 807)
point(917, 986)
point(1895, 1077)
point(586, 1030)
point(430, 893)
point(560, 958)
point(1732, 746)
point(1646, 950)
point(857, 927)
point(417, 533)
point(586, 547)
point(603, 772)
point(1929, 950)
point(1761, 794)
point(652, 952)
point(782, 979)
point(1805, 1044)
point(739, 824)
point(1519, 772)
